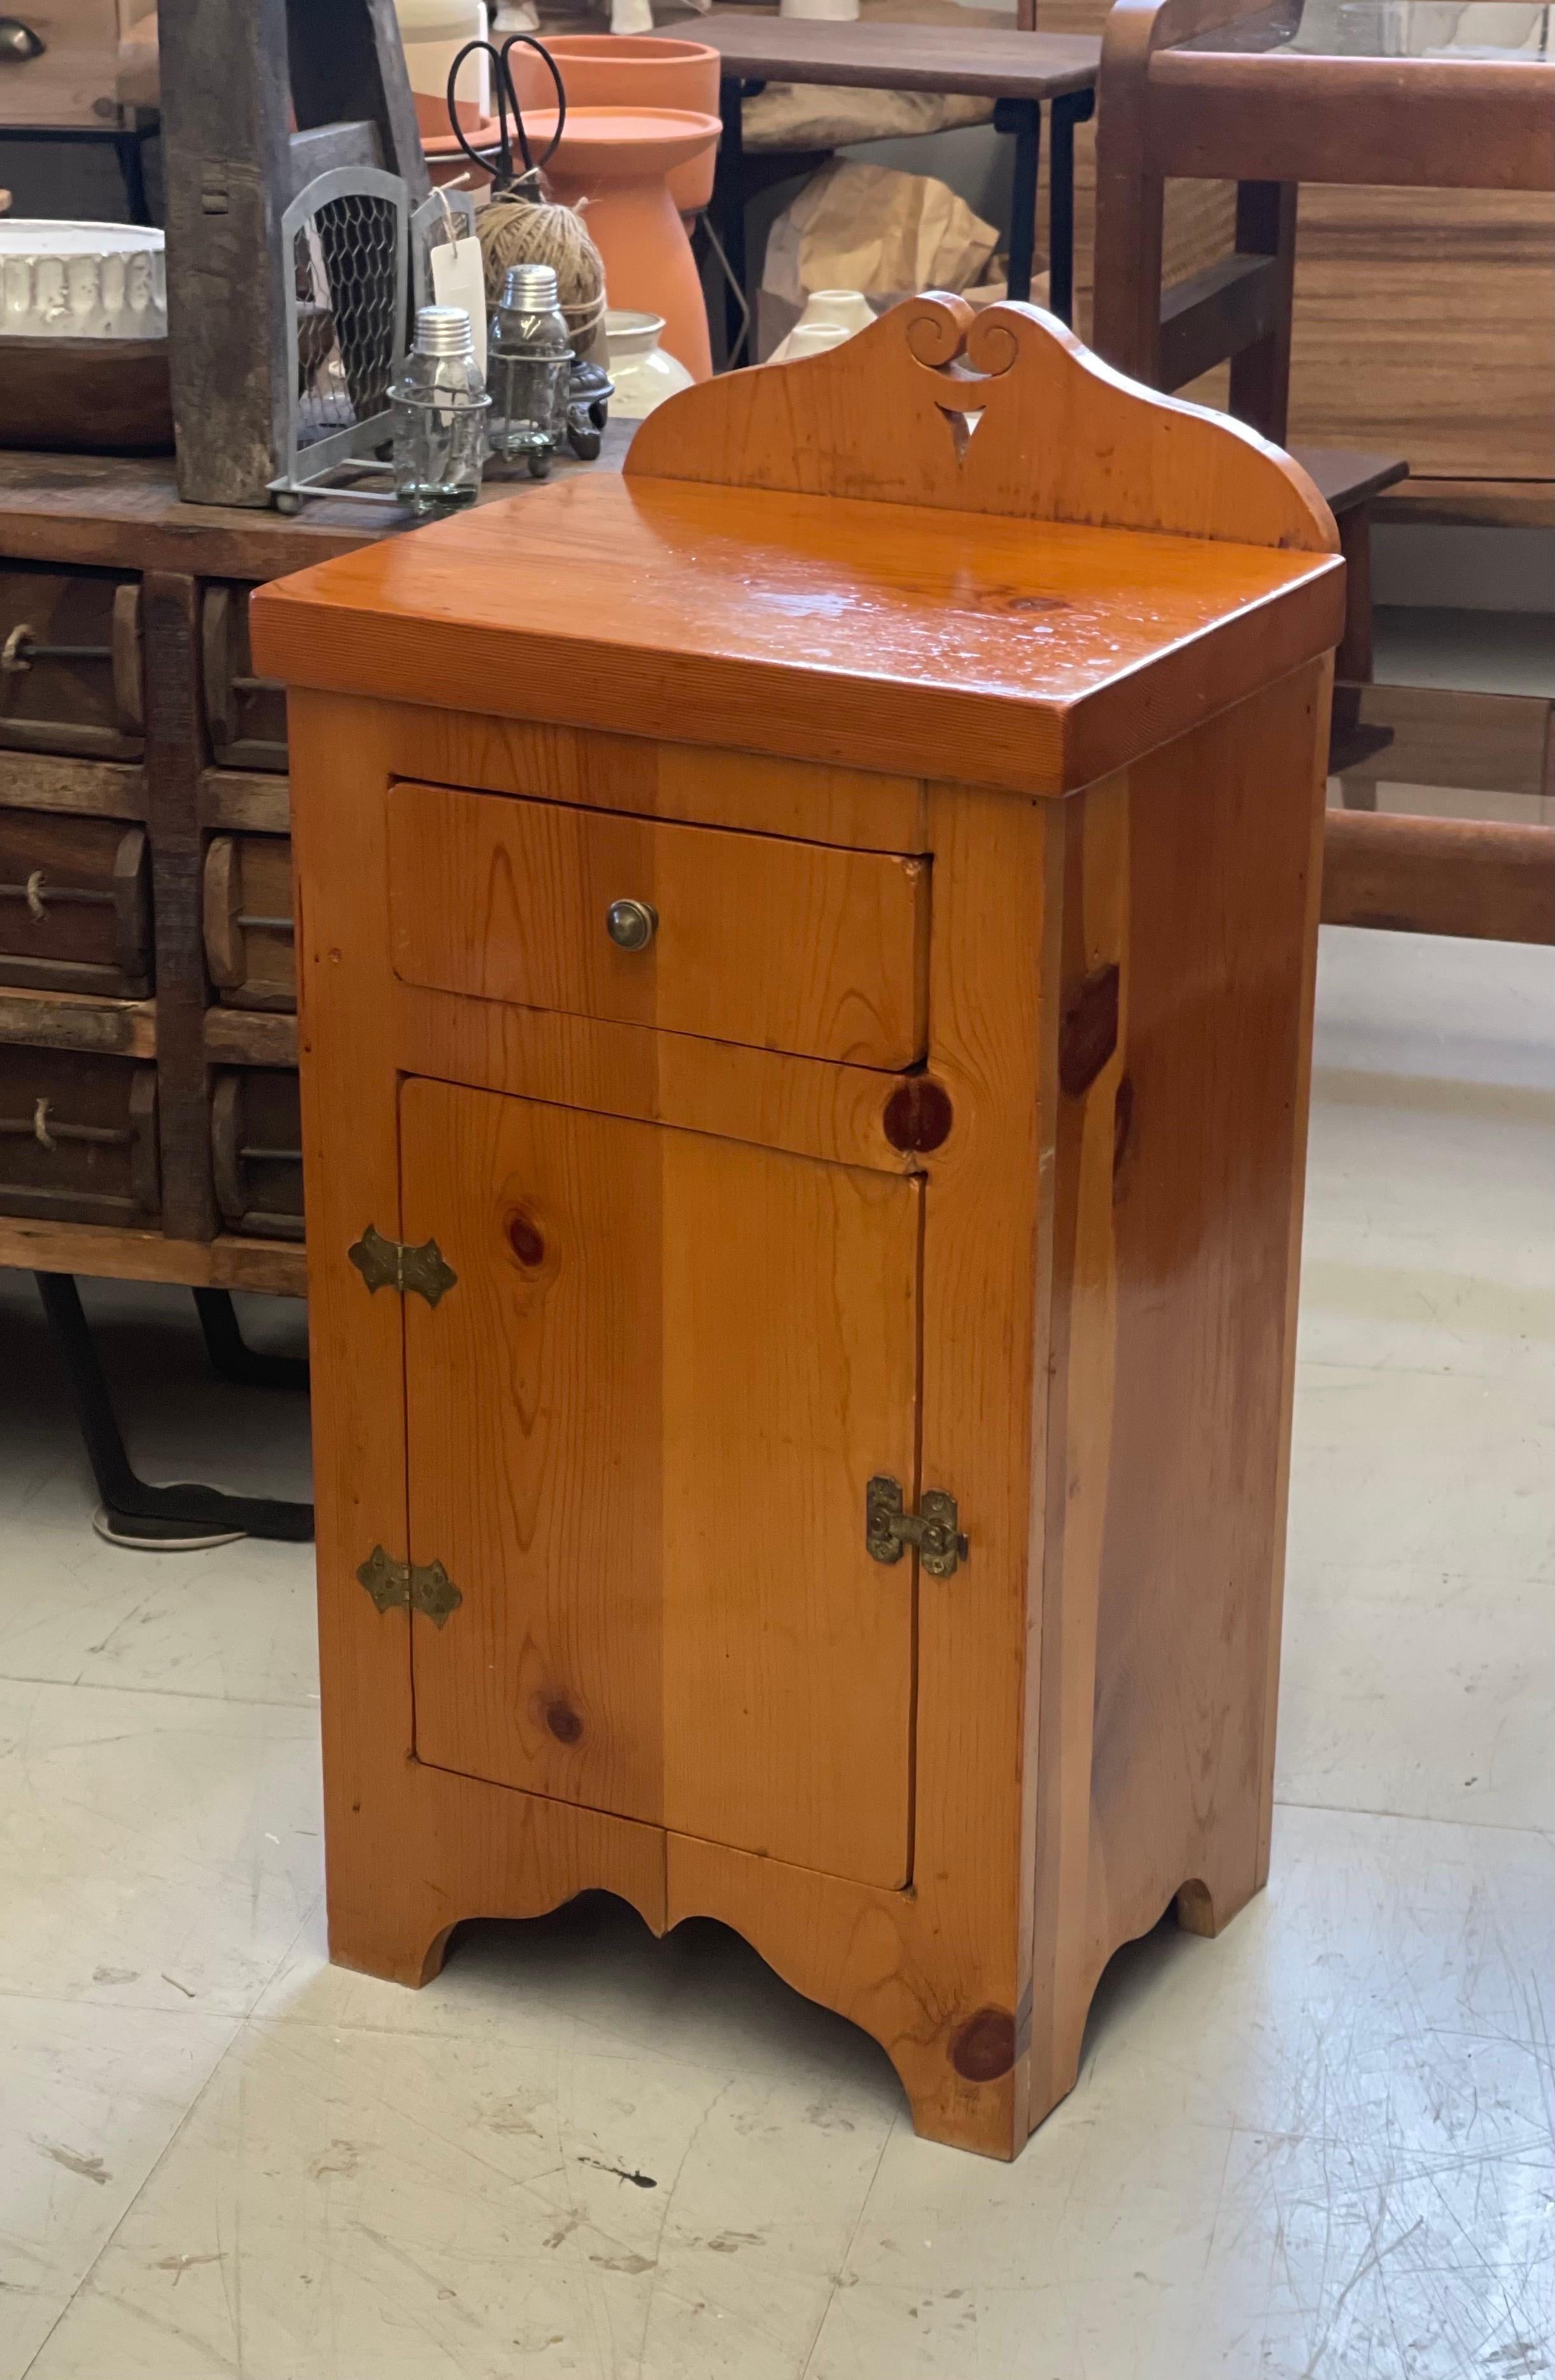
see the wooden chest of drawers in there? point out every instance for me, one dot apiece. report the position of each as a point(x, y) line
point(805, 1034)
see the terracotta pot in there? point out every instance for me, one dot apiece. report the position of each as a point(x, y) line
point(621, 71)
point(619, 159)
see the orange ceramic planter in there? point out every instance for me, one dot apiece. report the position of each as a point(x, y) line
point(619, 159)
point(620, 71)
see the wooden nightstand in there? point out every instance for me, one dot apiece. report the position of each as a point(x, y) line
point(805, 964)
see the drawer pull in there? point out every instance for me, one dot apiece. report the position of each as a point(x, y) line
point(21, 649)
point(631, 925)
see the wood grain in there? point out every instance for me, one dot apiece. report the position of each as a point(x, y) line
point(1034, 658)
point(78, 1020)
point(704, 1288)
point(1475, 125)
point(247, 920)
point(1408, 305)
point(1206, 1188)
point(409, 1848)
point(175, 757)
point(978, 60)
point(246, 800)
point(246, 1036)
point(1471, 743)
point(507, 900)
point(1477, 877)
point(836, 1113)
point(114, 789)
point(656, 1520)
point(1060, 436)
point(100, 1252)
point(942, 1978)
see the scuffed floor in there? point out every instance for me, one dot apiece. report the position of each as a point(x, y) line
point(1317, 2149)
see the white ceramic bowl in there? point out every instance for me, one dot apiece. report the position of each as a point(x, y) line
point(644, 375)
point(82, 281)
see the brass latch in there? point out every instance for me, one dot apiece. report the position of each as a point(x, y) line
point(394, 1585)
point(390, 1264)
point(890, 1528)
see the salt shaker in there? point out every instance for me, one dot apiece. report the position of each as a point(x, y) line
point(529, 354)
point(440, 407)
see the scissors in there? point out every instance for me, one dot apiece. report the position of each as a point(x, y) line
point(498, 161)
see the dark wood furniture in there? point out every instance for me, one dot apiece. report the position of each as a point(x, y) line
point(1020, 71)
point(146, 973)
point(1211, 90)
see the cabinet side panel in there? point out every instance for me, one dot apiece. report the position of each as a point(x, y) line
point(1175, 1511)
point(409, 1851)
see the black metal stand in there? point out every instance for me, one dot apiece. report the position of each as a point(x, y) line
point(231, 1355)
point(129, 142)
point(1023, 118)
point(1078, 107)
point(737, 179)
point(186, 1515)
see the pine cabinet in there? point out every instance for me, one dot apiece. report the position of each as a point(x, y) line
point(805, 966)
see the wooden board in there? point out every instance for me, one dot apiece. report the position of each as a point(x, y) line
point(508, 900)
point(78, 1020)
point(655, 1517)
point(100, 1252)
point(1410, 306)
point(1480, 878)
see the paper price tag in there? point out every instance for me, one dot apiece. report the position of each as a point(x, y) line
point(458, 278)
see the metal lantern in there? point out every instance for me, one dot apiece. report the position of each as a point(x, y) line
point(529, 358)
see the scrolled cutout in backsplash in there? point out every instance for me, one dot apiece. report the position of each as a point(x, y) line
point(1001, 411)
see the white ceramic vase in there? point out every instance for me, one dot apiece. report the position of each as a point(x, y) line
point(830, 316)
point(644, 375)
point(82, 281)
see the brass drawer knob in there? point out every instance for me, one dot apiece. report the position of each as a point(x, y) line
point(631, 925)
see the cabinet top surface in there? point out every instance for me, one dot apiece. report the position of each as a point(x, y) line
point(964, 549)
point(606, 603)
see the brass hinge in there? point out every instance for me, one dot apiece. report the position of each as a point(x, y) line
point(394, 1585)
point(890, 1528)
point(390, 1264)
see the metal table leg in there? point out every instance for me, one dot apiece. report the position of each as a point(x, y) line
point(1023, 118)
point(728, 206)
point(1076, 107)
point(134, 1512)
point(231, 1355)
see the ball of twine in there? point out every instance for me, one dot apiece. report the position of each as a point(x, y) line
point(517, 231)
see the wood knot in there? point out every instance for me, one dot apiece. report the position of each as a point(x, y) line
point(984, 2047)
point(526, 1239)
point(563, 1720)
point(1087, 1032)
point(919, 1115)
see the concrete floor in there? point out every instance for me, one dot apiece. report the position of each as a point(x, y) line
point(1317, 2149)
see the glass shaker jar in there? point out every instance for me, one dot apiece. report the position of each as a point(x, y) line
point(529, 356)
point(440, 407)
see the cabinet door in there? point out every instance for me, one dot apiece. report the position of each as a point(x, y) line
point(642, 1426)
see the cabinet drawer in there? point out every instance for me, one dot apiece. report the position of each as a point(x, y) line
point(78, 1137)
point(244, 715)
point(786, 945)
point(248, 933)
point(75, 905)
point(70, 661)
point(256, 1151)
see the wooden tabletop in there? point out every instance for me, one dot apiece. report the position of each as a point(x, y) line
point(123, 512)
point(981, 62)
point(870, 635)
